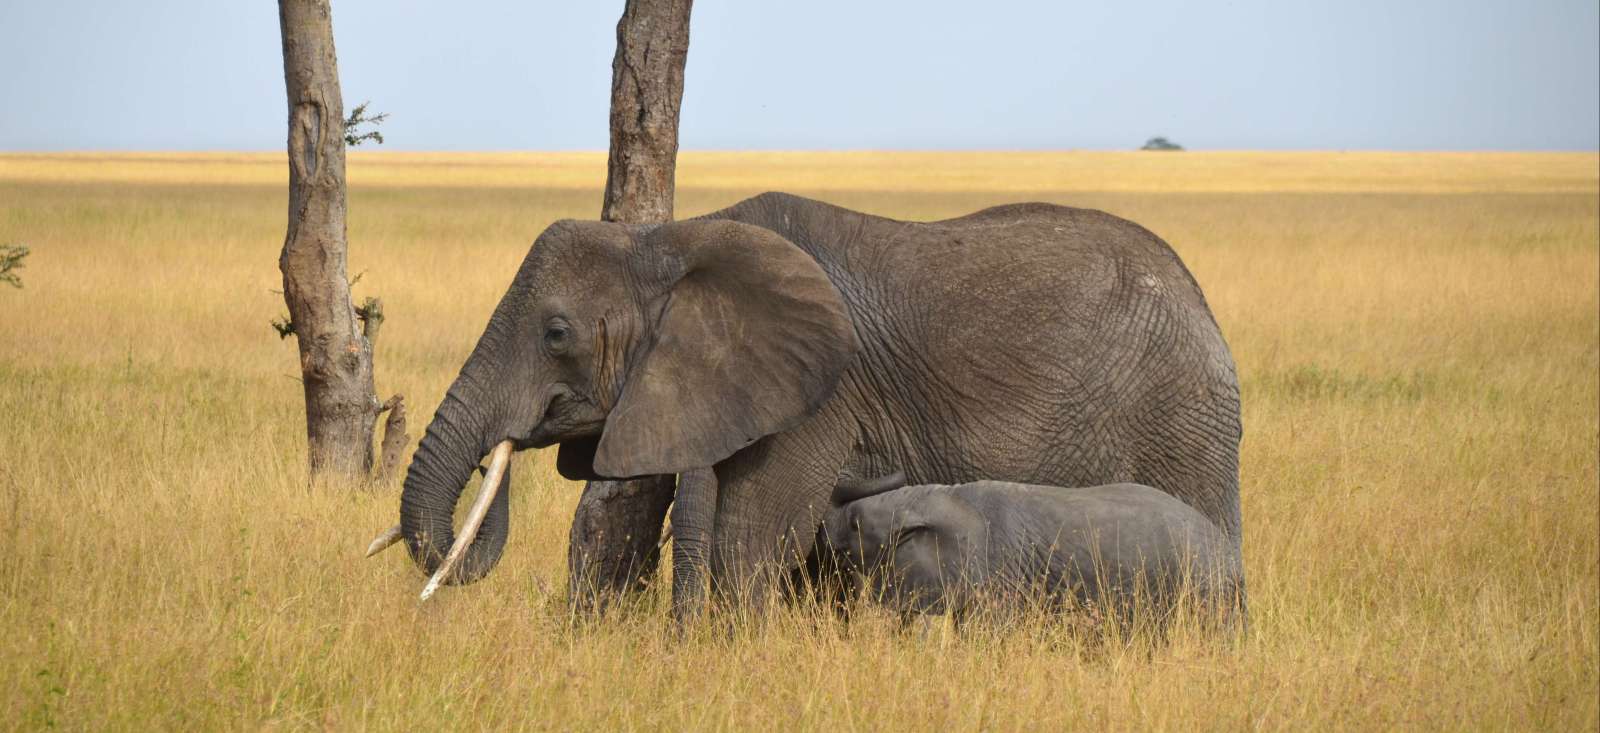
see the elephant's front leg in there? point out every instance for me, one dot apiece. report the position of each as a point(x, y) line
point(771, 498)
point(694, 514)
point(614, 544)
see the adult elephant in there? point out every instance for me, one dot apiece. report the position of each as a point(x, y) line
point(763, 349)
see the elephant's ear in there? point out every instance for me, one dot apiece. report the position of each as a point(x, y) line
point(750, 338)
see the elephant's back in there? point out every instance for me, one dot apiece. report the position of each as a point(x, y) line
point(1023, 264)
point(1053, 245)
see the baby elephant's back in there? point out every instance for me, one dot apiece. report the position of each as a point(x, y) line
point(1122, 538)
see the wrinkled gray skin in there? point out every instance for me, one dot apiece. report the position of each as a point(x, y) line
point(1002, 546)
point(758, 350)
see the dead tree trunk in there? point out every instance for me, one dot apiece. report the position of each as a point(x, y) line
point(646, 93)
point(335, 351)
point(614, 545)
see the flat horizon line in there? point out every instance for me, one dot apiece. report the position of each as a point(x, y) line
point(828, 151)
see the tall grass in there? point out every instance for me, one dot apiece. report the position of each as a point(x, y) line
point(1418, 338)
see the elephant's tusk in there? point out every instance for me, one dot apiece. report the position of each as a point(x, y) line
point(498, 458)
point(389, 537)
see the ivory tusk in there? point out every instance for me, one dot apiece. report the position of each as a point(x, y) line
point(389, 537)
point(498, 458)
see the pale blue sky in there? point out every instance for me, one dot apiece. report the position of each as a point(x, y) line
point(830, 74)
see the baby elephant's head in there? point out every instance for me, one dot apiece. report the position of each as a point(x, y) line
point(851, 533)
point(914, 546)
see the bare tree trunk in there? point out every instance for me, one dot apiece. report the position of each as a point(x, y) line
point(335, 355)
point(646, 93)
point(614, 545)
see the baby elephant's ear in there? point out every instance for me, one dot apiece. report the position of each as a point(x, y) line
point(750, 337)
point(855, 489)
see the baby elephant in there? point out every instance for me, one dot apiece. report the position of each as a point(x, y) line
point(999, 545)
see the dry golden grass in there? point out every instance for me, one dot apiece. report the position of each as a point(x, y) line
point(1007, 172)
point(1418, 337)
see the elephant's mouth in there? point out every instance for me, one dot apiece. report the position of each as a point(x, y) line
point(545, 436)
point(564, 415)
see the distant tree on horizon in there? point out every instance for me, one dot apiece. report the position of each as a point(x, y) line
point(1160, 143)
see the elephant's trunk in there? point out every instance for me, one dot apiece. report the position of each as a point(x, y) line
point(454, 443)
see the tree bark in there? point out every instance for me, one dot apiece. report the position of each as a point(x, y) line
point(335, 355)
point(614, 545)
point(646, 94)
point(395, 439)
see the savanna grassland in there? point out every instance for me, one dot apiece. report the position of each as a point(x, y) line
point(1418, 341)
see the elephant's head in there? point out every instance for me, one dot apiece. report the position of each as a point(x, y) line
point(637, 350)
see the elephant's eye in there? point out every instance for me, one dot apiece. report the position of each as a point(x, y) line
point(556, 336)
